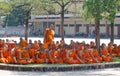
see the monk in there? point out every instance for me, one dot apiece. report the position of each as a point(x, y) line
point(36, 45)
point(41, 57)
point(30, 44)
point(24, 57)
point(114, 52)
point(110, 48)
point(48, 36)
point(23, 43)
point(87, 56)
point(118, 51)
point(72, 57)
point(57, 58)
point(105, 54)
point(95, 55)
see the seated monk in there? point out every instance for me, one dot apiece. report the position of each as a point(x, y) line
point(23, 43)
point(4, 55)
point(110, 48)
point(95, 55)
point(48, 36)
point(56, 56)
point(11, 58)
point(41, 57)
point(114, 52)
point(72, 57)
point(118, 51)
point(81, 54)
point(105, 54)
point(24, 57)
point(87, 56)
point(36, 45)
point(11, 44)
point(32, 52)
point(51, 58)
point(62, 51)
point(7, 56)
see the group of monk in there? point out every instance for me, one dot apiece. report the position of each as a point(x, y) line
point(56, 53)
point(29, 52)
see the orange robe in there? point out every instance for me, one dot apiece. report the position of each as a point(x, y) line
point(23, 43)
point(32, 53)
point(57, 57)
point(41, 58)
point(118, 51)
point(96, 55)
point(88, 57)
point(72, 58)
point(24, 59)
point(106, 56)
point(114, 52)
point(48, 38)
point(110, 49)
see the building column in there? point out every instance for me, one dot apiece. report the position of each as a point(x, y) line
point(87, 29)
point(118, 30)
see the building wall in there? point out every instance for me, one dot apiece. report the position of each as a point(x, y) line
point(72, 26)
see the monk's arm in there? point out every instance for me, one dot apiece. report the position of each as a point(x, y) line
point(93, 57)
point(45, 33)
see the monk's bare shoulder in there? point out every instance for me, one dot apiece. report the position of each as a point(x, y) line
point(47, 29)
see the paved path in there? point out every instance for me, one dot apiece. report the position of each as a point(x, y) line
point(67, 40)
point(100, 72)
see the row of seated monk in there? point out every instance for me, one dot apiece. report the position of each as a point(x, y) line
point(58, 52)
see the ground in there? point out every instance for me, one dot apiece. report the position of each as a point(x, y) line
point(98, 72)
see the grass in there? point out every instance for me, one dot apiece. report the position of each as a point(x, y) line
point(116, 59)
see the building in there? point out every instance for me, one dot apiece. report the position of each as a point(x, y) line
point(73, 25)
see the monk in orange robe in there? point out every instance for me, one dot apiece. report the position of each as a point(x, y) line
point(36, 45)
point(114, 52)
point(110, 48)
point(41, 57)
point(24, 57)
point(23, 43)
point(105, 54)
point(48, 36)
point(95, 55)
point(4, 55)
point(118, 51)
point(72, 57)
point(87, 56)
point(57, 58)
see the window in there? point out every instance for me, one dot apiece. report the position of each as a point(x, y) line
point(57, 25)
point(71, 25)
point(79, 25)
point(66, 25)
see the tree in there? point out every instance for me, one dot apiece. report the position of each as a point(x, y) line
point(64, 4)
point(16, 17)
point(5, 9)
point(111, 8)
point(94, 9)
point(28, 6)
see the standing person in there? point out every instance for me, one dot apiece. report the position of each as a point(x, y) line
point(48, 36)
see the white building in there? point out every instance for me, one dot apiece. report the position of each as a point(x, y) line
point(73, 25)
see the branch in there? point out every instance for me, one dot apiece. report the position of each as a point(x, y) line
point(17, 6)
point(68, 6)
point(67, 3)
point(56, 1)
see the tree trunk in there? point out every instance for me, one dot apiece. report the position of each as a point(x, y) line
point(62, 23)
point(26, 26)
point(97, 35)
point(112, 33)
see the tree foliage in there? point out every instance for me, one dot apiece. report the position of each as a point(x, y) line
point(110, 9)
point(93, 9)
